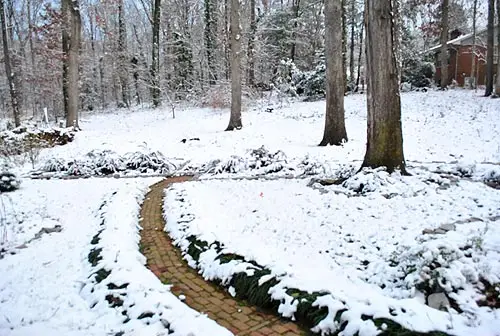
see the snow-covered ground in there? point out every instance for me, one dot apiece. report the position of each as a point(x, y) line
point(46, 287)
point(437, 126)
point(368, 251)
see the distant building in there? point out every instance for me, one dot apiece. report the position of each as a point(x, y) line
point(460, 57)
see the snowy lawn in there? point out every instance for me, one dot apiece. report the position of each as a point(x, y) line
point(437, 126)
point(367, 250)
point(48, 286)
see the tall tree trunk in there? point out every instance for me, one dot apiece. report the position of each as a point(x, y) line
point(122, 54)
point(335, 132)
point(293, 47)
point(490, 45)
point(384, 134)
point(353, 39)
point(8, 69)
point(497, 85)
point(73, 24)
point(155, 59)
point(444, 43)
point(210, 38)
point(65, 46)
point(360, 54)
point(251, 46)
point(473, 66)
point(32, 53)
point(227, 42)
point(235, 119)
point(344, 43)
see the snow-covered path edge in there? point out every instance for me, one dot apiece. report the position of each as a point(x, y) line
point(121, 285)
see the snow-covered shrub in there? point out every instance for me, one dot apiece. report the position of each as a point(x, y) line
point(291, 80)
point(81, 168)
point(149, 162)
point(54, 165)
point(312, 83)
point(106, 162)
point(8, 182)
point(256, 161)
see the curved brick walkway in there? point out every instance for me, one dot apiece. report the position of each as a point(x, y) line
point(165, 260)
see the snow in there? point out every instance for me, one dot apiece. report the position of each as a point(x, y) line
point(46, 288)
point(437, 126)
point(312, 237)
point(345, 244)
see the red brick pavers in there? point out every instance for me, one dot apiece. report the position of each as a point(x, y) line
point(166, 262)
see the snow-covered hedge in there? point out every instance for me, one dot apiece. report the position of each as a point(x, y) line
point(106, 162)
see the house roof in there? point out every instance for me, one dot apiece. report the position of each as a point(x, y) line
point(458, 40)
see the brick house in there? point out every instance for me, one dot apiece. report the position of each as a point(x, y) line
point(460, 57)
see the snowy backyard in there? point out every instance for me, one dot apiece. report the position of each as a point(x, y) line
point(370, 251)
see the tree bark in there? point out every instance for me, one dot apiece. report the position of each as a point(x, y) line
point(473, 66)
point(353, 39)
point(384, 133)
point(293, 47)
point(122, 54)
point(490, 45)
point(73, 24)
point(8, 69)
point(497, 85)
point(344, 43)
point(235, 119)
point(155, 59)
point(360, 54)
point(444, 43)
point(335, 132)
point(251, 46)
point(210, 37)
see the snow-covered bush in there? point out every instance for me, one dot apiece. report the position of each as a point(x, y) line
point(106, 162)
point(311, 84)
point(259, 161)
point(8, 182)
point(149, 162)
point(54, 165)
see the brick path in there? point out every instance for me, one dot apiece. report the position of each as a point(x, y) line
point(166, 262)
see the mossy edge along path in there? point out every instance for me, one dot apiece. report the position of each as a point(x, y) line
point(165, 261)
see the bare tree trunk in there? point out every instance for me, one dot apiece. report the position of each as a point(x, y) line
point(251, 46)
point(473, 66)
point(293, 48)
point(497, 85)
point(32, 52)
point(335, 132)
point(384, 137)
point(444, 43)
point(65, 4)
point(122, 54)
point(210, 38)
point(73, 23)
point(353, 39)
point(235, 119)
point(490, 46)
point(344, 43)
point(155, 59)
point(8, 69)
point(360, 54)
